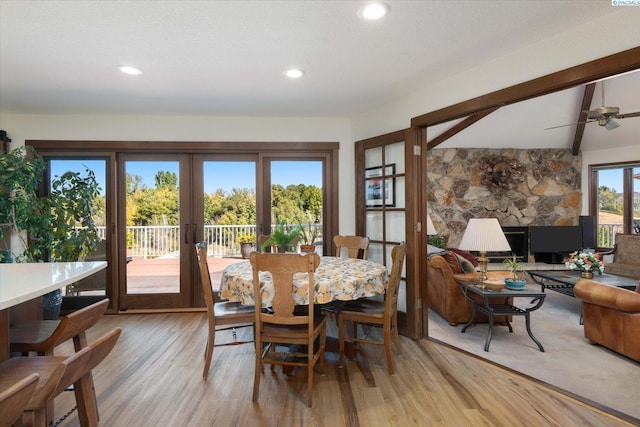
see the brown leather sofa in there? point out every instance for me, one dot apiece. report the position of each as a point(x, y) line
point(444, 294)
point(611, 316)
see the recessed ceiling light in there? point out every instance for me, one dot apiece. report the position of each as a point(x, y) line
point(373, 11)
point(128, 69)
point(294, 73)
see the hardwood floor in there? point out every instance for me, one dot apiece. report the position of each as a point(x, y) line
point(154, 377)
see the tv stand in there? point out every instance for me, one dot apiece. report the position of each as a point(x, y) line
point(550, 257)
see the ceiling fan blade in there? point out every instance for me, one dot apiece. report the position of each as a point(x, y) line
point(572, 124)
point(611, 125)
point(627, 115)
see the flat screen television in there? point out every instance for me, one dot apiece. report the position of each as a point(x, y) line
point(555, 238)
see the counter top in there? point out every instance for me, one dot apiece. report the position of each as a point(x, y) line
point(20, 282)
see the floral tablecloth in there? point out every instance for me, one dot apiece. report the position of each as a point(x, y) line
point(335, 279)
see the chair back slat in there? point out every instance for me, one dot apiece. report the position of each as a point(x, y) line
point(205, 276)
point(398, 254)
point(282, 268)
point(357, 246)
point(74, 325)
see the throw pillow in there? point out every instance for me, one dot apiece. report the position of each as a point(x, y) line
point(454, 261)
point(466, 255)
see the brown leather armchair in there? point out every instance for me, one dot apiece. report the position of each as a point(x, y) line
point(611, 316)
point(444, 294)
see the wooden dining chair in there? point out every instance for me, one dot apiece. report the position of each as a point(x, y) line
point(376, 313)
point(356, 246)
point(57, 373)
point(222, 315)
point(42, 336)
point(278, 325)
point(15, 398)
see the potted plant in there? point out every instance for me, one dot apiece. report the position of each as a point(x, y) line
point(309, 233)
point(282, 238)
point(246, 242)
point(513, 265)
point(56, 227)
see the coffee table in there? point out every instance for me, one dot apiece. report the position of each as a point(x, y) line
point(563, 281)
point(504, 309)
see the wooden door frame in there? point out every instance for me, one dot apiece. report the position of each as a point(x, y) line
point(409, 323)
point(622, 62)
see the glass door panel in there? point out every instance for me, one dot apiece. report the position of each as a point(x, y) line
point(97, 283)
point(158, 232)
point(296, 195)
point(228, 210)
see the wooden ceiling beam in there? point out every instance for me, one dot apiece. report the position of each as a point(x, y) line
point(582, 117)
point(459, 128)
point(617, 63)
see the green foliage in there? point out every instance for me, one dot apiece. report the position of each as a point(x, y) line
point(608, 200)
point(21, 171)
point(437, 240)
point(166, 179)
point(282, 235)
point(512, 265)
point(60, 225)
point(75, 233)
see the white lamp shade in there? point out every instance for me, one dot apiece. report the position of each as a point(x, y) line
point(431, 229)
point(484, 235)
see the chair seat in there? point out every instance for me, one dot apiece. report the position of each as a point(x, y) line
point(366, 306)
point(292, 333)
point(229, 309)
point(23, 335)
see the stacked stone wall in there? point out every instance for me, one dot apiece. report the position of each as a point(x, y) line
point(518, 187)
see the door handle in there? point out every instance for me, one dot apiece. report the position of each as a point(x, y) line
point(186, 234)
point(195, 229)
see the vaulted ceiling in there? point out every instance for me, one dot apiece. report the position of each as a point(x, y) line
point(228, 58)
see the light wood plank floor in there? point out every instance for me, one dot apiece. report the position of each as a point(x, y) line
point(154, 377)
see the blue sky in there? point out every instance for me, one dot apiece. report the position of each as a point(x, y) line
point(218, 174)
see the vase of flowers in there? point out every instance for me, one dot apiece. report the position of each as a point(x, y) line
point(587, 262)
point(246, 244)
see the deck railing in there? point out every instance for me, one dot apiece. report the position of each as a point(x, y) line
point(164, 241)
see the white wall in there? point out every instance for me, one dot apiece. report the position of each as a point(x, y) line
point(21, 127)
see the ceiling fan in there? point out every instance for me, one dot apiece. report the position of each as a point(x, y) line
point(603, 115)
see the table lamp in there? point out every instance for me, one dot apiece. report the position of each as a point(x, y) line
point(484, 235)
point(430, 227)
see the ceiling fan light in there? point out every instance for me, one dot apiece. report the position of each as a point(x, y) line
point(611, 125)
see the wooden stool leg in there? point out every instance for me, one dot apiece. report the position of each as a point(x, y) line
point(86, 400)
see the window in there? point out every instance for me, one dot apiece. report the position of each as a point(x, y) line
point(615, 200)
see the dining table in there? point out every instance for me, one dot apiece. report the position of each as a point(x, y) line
point(22, 282)
point(335, 279)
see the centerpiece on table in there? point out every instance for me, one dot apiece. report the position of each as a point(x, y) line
point(587, 262)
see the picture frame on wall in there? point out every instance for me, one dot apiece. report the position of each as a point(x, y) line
point(380, 191)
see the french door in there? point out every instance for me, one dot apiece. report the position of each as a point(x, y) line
point(387, 212)
point(159, 202)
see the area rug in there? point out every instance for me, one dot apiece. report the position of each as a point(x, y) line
point(569, 362)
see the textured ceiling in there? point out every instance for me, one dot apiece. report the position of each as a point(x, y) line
point(228, 57)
